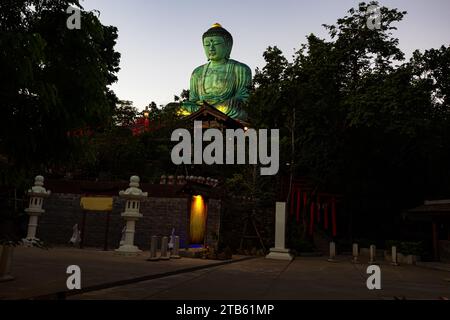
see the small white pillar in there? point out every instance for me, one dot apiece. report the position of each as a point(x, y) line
point(394, 256)
point(37, 193)
point(280, 252)
point(355, 253)
point(332, 257)
point(133, 196)
point(373, 253)
point(164, 253)
point(6, 256)
point(176, 249)
point(153, 249)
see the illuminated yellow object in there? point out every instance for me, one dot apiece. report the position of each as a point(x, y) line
point(223, 109)
point(198, 220)
point(216, 25)
point(183, 113)
point(96, 203)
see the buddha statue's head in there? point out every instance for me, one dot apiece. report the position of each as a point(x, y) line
point(217, 43)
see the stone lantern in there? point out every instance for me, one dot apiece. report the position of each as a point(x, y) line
point(37, 194)
point(133, 196)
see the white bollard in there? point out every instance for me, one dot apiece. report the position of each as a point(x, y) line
point(164, 253)
point(153, 249)
point(373, 252)
point(355, 253)
point(332, 257)
point(176, 249)
point(6, 256)
point(280, 252)
point(394, 256)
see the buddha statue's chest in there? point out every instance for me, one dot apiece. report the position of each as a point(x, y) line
point(216, 80)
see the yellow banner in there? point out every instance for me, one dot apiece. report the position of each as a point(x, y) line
point(96, 203)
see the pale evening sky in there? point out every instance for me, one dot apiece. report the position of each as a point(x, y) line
point(160, 40)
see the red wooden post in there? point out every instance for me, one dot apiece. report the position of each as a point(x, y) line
point(298, 205)
point(292, 200)
point(325, 216)
point(318, 210)
point(333, 215)
point(305, 200)
point(311, 222)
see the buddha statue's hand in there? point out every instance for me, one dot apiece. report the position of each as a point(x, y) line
point(234, 108)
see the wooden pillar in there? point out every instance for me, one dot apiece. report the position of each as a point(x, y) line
point(83, 229)
point(188, 224)
point(435, 241)
point(105, 246)
point(205, 239)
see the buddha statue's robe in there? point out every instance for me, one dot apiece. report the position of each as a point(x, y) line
point(225, 87)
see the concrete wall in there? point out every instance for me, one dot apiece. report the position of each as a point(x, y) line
point(160, 215)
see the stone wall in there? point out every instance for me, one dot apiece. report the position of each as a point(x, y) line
point(160, 215)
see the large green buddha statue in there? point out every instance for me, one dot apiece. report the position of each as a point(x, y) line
point(222, 82)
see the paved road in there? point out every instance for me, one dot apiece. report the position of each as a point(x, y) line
point(304, 278)
point(39, 272)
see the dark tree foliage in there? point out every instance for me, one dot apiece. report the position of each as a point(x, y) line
point(52, 81)
point(358, 120)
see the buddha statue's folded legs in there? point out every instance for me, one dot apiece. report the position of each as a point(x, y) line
point(232, 108)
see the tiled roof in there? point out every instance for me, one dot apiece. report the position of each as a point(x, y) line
point(432, 209)
point(94, 188)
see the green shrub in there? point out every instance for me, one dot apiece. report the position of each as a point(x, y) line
point(406, 247)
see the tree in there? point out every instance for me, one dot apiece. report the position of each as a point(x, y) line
point(54, 80)
point(356, 119)
point(125, 114)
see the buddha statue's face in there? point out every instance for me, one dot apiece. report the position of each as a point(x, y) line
point(216, 49)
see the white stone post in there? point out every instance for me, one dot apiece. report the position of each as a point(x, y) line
point(280, 252)
point(6, 255)
point(153, 249)
point(394, 256)
point(373, 253)
point(37, 193)
point(176, 249)
point(332, 252)
point(164, 253)
point(133, 196)
point(355, 253)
